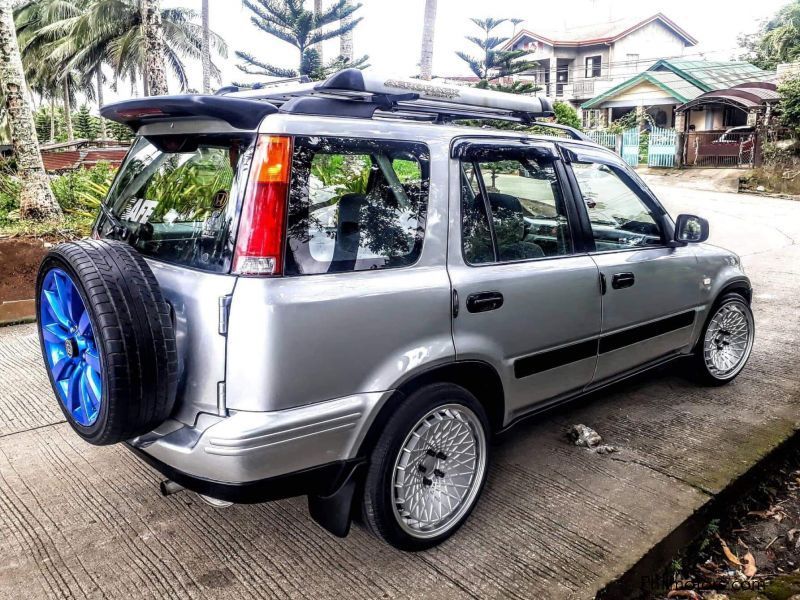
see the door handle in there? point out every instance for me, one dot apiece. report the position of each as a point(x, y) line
point(623, 280)
point(484, 302)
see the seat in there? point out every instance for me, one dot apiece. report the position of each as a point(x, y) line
point(348, 231)
point(511, 229)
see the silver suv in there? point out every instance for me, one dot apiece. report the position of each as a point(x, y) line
point(336, 290)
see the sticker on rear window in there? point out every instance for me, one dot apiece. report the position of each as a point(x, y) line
point(140, 211)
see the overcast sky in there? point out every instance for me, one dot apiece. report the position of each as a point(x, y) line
point(391, 30)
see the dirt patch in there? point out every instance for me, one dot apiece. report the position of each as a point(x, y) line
point(19, 262)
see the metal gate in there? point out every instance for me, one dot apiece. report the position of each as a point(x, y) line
point(661, 148)
point(720, 149)
point(630, 146)
point(604, 138)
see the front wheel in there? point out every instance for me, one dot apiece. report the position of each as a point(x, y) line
point(726, 342)
point(428, 468)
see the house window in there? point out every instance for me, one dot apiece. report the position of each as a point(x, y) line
point(593, 66)
point(633, 61)
point(592, 119)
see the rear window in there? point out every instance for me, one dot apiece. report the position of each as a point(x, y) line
point(175, 198)
point(355, 205)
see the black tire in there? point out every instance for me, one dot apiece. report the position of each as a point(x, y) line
point(133, 333)
point(699, 370)
point(378, 502)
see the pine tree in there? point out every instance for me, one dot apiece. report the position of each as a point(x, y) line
point(494, 63)
point(85, 126)
point(42, 121)
point(120, 131)
point(290, 21)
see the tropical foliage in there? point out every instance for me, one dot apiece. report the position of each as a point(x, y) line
point(59, 37)
point(789, 105)
point(291, 22)
point(777, 41)
point(493, 63)
point(78, 194)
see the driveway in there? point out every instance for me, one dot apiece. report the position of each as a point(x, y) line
point(555, 521)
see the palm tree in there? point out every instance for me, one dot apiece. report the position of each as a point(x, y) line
point(290, 21)
point(205, 49)
point(36, 198)
point(30, 19)
point(155, 71)
point(428, 29)
point(112, 32)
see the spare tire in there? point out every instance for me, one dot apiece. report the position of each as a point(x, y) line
point(107, 340)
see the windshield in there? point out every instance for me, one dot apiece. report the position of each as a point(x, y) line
point(176, 198)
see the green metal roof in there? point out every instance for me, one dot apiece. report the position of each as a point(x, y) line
point(713, 75)
point(684, 80)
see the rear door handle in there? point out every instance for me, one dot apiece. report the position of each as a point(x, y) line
point(484, 302)
point(622, 280)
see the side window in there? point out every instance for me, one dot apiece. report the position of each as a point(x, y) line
point(528, 215)
point(619, 217)
point(355, 205)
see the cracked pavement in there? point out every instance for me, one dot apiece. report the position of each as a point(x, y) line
point(555, 521)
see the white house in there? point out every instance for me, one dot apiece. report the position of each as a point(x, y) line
point(582, 62)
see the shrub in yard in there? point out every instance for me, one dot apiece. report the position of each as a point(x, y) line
point(566, 115)
point(789, 104)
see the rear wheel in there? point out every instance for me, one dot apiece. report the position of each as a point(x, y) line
point(726, 342)
point(428, 468)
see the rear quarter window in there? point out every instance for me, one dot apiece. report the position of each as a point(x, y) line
point(355, 205)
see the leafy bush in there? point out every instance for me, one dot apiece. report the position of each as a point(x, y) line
point(566, 115)
point(789, 104)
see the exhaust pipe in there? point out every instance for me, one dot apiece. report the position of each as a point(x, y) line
point(169, 487)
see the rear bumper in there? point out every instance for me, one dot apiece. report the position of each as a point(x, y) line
point(243, 454)
point(322, 480)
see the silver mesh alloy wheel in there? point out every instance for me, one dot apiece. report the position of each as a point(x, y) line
point(728, 340)
point(438, 471)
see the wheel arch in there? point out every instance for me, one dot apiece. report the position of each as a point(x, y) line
point(478, 377)
point(739, 286)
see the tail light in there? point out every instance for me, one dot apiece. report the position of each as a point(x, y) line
point(259, 243)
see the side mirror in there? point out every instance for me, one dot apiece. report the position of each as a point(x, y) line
point(690, 229)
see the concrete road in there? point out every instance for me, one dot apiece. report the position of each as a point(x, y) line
point(555, 521)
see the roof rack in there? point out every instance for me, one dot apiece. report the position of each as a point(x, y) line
point(409, 98)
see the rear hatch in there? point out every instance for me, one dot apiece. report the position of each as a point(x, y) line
point(176, 200)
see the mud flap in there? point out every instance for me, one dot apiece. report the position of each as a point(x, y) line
point(334, 512)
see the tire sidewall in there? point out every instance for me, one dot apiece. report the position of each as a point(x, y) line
point(55, 261)
point(379, 480)
point(702, 367)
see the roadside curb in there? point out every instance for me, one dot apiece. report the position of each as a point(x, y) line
point(638, 581)
point(17, 311)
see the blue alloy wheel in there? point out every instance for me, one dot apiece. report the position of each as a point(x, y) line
point(70, 347)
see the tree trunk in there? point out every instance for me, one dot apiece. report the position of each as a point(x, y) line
point(103, 130)
point(318, 47)
point(346, 39)
point(52, 118)
point(36, 200)
point(205, 49)
point(428, 30)
point(155, 70)
point(67, 111)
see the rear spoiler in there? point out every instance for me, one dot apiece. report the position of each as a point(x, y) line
point(241, 113)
